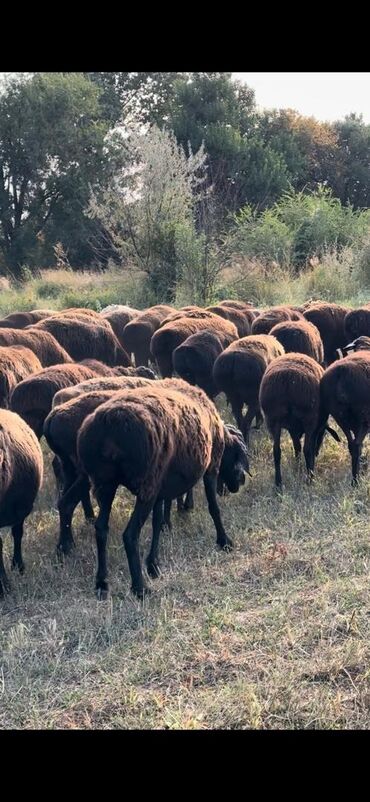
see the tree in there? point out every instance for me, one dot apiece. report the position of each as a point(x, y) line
point(353, 180)
point(143, 96)
point(51, 150)
point(150, 196)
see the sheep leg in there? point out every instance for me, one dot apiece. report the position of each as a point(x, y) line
point(210, 486)
point(237, 410)
point(259, 418)
point(276, 433)
point(152, 562)
point(67, 505)
point(17, 561)
point(167, 513)
point(130, 538)
point(309, 453)
point(4, 581)
point(105, 497)
point(356, 452)
point(247, 422)
point(86, 503)
point(189, 500)
point(58, 473)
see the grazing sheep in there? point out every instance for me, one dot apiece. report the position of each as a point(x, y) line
point(290, 399)
point(236, 304)
point(61, 428)
point(345, 394)
point(170, 336)
point(118, 317)
point(357, 322)
point(270, 317)
point(238, 372)
point(360, 344)
point(242, 319)
point(300, 336)
point(83, 339)
point(137, 334)
point(16, 363)
point(20, 479)
point(329, 319)
point(157, 442)
point(102, 383)
point(19, 320)
point(193, 360)
point(32, 398)
point(44, 345)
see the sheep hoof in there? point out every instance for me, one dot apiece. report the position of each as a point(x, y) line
point(19, 565)
point(5, 586)
point(65, 547)
point(141, 592)
point(226, 545)
point(354, 482)
point(102, 594)
point(153, 569)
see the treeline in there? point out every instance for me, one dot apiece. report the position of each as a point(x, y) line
point(170, 172)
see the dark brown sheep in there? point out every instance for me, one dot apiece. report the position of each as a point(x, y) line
point(118, 317)
point(193, 360)
point(19, 320)
point(170, 336)
point(329, 319)
point(236, 304)
point(345, 394)
point(83, 339)
point(16, 363)
point(157, 442)
point(300, 337)
point(270, 317)
point(20, 479)
point(357, 323)
point(360, 344)
point(290, 399)
point(242, 319)
point(238, 372)
point(138, 333)
point(102, 383)
point(32, 398)
point(61, 428)
point(44, 345)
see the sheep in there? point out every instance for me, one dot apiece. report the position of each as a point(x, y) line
point(118, 317)
point(345, 394)
point(83, 339)
point(357, 322)
point(236, 304)
point(158, 442)
point(16, 363)
point(44, 345)
point(290, 399)
point(360, 344)
point(238, 372)
point(170, 336)
point(193, 360)
point(300, 336)
point(98, 383)
point(20, 479)
point(61, 428)
point(270, 317)
point(329, 319)
point(137, 334)
point(242, 319)
point(19, 320)
point(32, 398)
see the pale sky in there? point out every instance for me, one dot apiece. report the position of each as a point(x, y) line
point(324, 95)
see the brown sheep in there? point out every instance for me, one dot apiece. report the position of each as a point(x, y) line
point(32, 398)
point(83, 339)
point(61, 428)
point(170, 336)
point(238, 372)
point(137, 334)
point(44, 345)
point(357, 323)
point(118, 317)
point(345, 394)
point(300, 336)
point(193, 360)
point(236, 304)
point(270, 317)
point(158, 442)
point(290, 399)
point(102, 383)
point(20, 479)
point(329, 319)
point(242, 319)
point(19, 320)
point(16, 363)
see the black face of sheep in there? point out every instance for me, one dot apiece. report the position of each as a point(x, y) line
point(360, 344)
point(234, 463)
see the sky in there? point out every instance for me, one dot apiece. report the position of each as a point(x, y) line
point(327, 96)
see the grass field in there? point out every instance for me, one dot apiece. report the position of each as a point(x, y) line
point(275, 635)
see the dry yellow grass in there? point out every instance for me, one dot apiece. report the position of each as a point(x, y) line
point(275, 635)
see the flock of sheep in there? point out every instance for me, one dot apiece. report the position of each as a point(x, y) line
point(83, 380)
